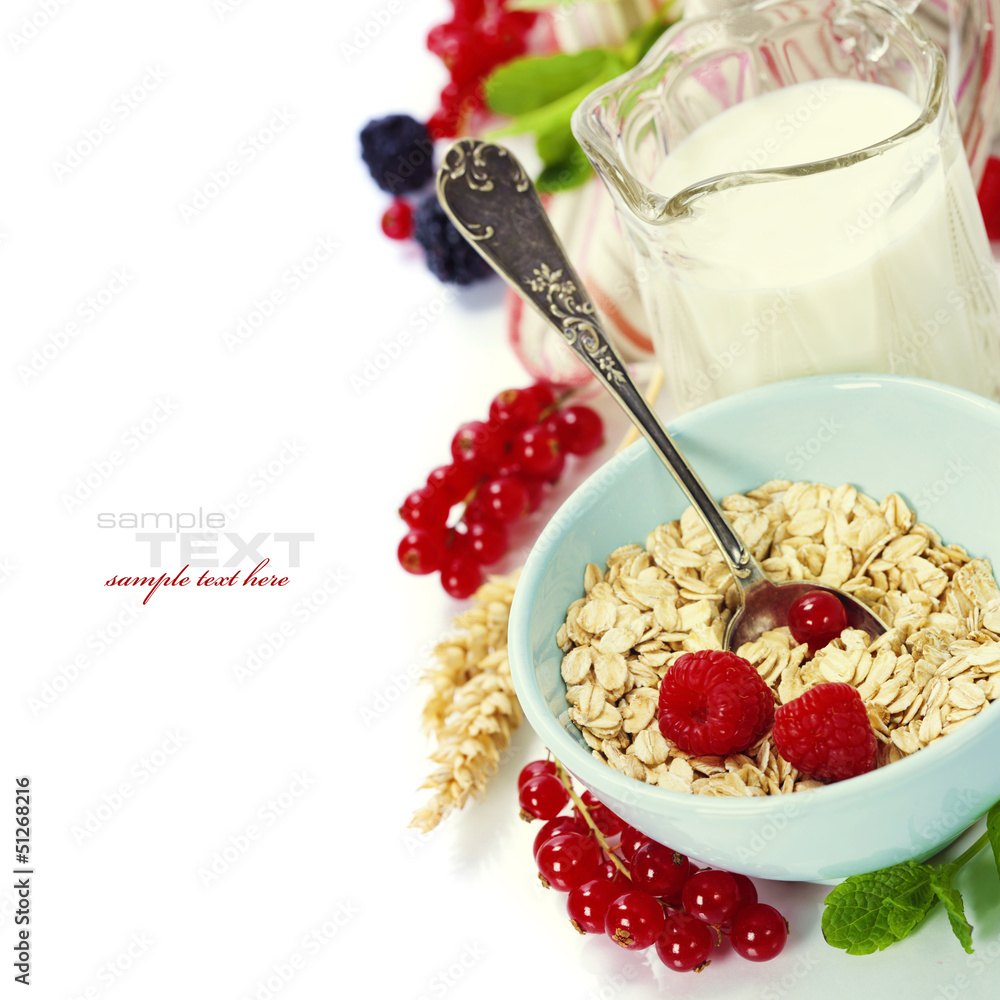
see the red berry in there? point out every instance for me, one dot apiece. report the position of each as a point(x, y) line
point(634, 920)
point(607, 822)
point(536, 450)
point(817, 618)
point(567, 861)
point(442, 125)
point(825, 733)
point(588, 904)
point(684, 943)
point(535, 767)
point(505, 498)
point(535, 488)
point(476, 445)
point(554, 827)
point(579, 429)
point(397, 222)
point(485, 541)
point(425, 508)
point(515, 409)
point(759, 932)
point(711, 896)
point(461, 577)
point(989, 197)
point(748, 891)
point(610, 872)
point(543, 796)
point(714, 702)
point(543, 395)
point(658, 869)
point(421, 551)
point(469, 11)
point(452, 482)
point(631, 841)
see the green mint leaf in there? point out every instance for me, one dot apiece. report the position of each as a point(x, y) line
point(566, 174)
point(556, 143)
point(533, 82)
point(993, 832)
point(867, 913)
point(941, 884)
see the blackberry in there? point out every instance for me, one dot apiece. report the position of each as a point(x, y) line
point(449, 255)
point(399, 153)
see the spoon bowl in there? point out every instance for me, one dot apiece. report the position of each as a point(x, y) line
point(491, 200)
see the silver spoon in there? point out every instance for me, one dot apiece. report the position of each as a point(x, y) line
point(491, 200)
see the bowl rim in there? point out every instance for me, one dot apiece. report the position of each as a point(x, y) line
point(579, 761)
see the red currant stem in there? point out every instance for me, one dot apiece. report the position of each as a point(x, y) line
point(564, 777)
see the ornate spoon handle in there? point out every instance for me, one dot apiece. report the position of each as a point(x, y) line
point(491, 200)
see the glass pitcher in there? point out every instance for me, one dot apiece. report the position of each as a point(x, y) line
point(865, 257)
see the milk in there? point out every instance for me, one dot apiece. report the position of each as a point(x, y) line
point(881, 266)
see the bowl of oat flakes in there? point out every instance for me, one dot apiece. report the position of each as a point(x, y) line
point(885, 486)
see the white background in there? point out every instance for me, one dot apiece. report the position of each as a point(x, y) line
point(334, 896)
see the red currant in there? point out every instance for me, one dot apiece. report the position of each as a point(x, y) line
point(748, 891)
point(421, 551)
point(453, 482)
point(425, 508)
point(536, 450)
point(535, 488)
point(515, 409)
point(634, 920)
point(631, 841)
point(610, 872)
point(608, 823)
point(485, 541)
point(533, 768)
point(460, 577)
point(476, 445)
point(505, 498)
point(567, 861)
point(817, 618)
point(658, 869)
point(397, 222)
point(588, 904)
point(543, 394)
point(543, 796)
point(711, 896)
point(579, 429)
point(554, 827)
point(759, 932)
point(469, 11)
point(684, 943)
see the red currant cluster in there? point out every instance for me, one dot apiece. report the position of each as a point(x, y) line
point(638, 892)
point(499, 469)
point(480, 36)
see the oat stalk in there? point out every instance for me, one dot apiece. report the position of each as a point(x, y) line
point(472, 710)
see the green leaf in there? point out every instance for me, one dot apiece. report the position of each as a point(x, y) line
point(556, 143)
point(867, 913)
point(941, 879)
point(566, 174)
point(532, 82)
point(993, 831)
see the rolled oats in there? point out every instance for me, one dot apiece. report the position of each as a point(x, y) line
point(936, 666)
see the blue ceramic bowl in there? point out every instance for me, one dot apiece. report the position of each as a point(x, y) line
point(937, 446)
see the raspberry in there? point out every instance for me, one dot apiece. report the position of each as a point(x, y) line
point(714, 702)
point(399, 153)
point(825, 733)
